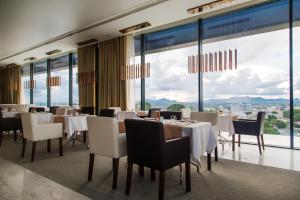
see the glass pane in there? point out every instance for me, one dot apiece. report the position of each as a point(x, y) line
point(60, 94)
point(261, 80)
point(296, 67)
point(40, 90)
point(25, 95)
point(170, 86)
point(75, 81)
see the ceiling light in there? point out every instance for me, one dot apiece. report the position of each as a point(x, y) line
point(53, 52)
point(30, 59)
point(207, 6)
point(135, 27)
point(87, 42)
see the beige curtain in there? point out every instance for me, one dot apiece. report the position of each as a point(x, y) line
point(112, 90)
point(86, 75)
point(10, 85)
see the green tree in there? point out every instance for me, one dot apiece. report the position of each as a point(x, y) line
point(147, 105)
point(274, 112)
point(280, 124)
point(175, 107)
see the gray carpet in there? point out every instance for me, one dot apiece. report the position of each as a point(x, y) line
point(229, 180)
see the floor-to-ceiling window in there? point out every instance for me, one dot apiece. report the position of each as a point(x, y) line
point(25, 92)
point(75, 81)
point(170, 86)
point(40, 89)
point(259, 80)
point(296, 71)
point(60, 93)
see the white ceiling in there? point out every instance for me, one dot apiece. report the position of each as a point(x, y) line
point(33, 27)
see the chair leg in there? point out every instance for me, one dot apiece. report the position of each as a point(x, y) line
point(33, 151)
point(208, 161)
point(48, 145)
point(141, 170)
point(84, 137)
point(152, 174)
point(1, 138)
point(129, 177)
point(216, 154)
point(115, 171)
point(233, 142)
point(91, 166)
point(258, 142)
point(239, 142)
point(188, 176)
point(15, 135)
point(24, 141)
point(161, 191)
point(61, 150)
point(262, 141)
point(180, 175)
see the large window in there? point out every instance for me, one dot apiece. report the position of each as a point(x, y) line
point(60, 94)
point(296, 66)
point(40, 90)
point(260, 80)
point(25, 92)
point(170, 86)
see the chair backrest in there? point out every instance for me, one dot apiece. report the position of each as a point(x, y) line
point(168, 114)
point(261, 116)
point(28, 125)
point(53, 109)
point(116, 109)
point(186, 113)
point(145, 142)
point(62, 111)
point(151, 112)
point(107, 113)
point(37, 109)
point(211, 117)
point(88, 110)
point(103, 136)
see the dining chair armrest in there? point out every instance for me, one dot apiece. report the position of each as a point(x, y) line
point(177, 151)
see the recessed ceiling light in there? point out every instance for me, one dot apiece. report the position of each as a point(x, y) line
point(53, 52)
point(30, 59)
point(210, 5)
point(87, 42)
point(135, 27)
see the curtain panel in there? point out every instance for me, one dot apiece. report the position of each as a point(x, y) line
point(86, 76)
point(112, 90)
point(10, 85)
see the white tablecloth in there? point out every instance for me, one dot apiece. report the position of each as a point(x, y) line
point(75, 124)
point(203, 139)
point(225, 123)
point(10, 114)
point(126, 115)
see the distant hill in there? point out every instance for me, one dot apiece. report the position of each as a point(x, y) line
point(164, 102)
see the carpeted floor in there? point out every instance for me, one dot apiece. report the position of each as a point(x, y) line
point(229, 180)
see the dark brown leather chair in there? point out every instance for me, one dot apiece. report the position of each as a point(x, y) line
point(250, 127)
point(53, 109)
point(37, 109)
point(147, 147)
point(88, 110)
point(9, 124)
point(107, 113)
point(168, 114)
point(151, 112)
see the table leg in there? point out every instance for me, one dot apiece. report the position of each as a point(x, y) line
point(208, 161)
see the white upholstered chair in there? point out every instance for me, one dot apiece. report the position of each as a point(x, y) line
point(35, 131)
point(105, 140)
point(186, 113)
point(211, 117)
point(63, 111)
point(116, 109)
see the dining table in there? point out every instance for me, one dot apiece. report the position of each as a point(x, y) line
point(202, 136)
